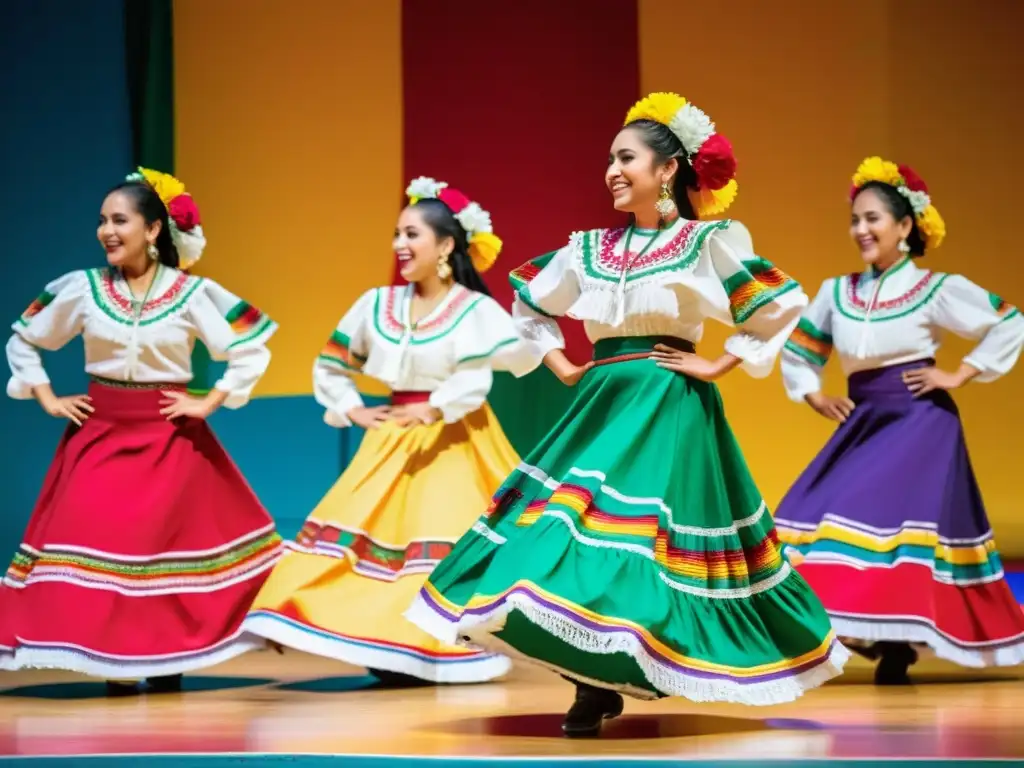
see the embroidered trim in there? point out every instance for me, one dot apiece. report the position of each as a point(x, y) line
point(850, 305)
point(373, 559)
point(596, 252)
point(118, 308)
point(168, 573)
point(338, 350)
point(41, 302)
point(521, 276)
point(759, 284)
point(1004, 309)
point(810, 343)
point(247, 322)
point(391, 327)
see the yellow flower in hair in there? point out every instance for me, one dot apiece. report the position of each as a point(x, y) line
point(877, 169)
point(932, 227)
point(711, 202)
point(659, 107)
point(484, 248)
point(167, 187)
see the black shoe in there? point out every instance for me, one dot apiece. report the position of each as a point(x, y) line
point(389, 679)
point(896, 659)
point(592, 707)
point(117, 689)
point(166, 684)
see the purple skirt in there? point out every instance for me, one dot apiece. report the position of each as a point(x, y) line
point(888, 526)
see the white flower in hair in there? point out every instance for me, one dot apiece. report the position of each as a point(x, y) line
point(919, 201)
point(692, 127)
point(474, 219)
point(424, 187)
point(190, 244)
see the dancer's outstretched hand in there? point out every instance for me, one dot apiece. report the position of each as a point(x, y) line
point(369, 418)
point(835, 408)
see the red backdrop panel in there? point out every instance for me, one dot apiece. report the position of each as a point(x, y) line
point(516, 102)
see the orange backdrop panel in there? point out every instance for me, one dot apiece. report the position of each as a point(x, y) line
point(289, 134)
point(805, 91)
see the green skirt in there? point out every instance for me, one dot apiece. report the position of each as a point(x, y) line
point(631, 550)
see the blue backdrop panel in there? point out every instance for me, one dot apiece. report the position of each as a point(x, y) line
point(64, 139)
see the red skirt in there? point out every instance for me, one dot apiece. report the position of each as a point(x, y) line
point(144, 551)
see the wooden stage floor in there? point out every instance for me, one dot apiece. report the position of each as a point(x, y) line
point(265, 705)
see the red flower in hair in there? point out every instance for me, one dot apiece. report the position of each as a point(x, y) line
point(914, 182)
point(184, 213)
point(453, 199)
point(714, 163)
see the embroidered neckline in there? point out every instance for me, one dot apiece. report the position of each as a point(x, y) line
point(441, 321)
point(854, 307)
point(601, 262)
point(102, 283)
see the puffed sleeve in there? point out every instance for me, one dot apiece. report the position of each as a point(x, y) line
point(55, 317)
point(974, 313)
point(808, 348)
point(545, 288)
point(342, 357)
point(486, 340)
point(236, 332)
point(765, 303)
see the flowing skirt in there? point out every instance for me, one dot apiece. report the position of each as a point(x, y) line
point(888, 527)
point(366, 550)
point(143, 553)
point(631, 550)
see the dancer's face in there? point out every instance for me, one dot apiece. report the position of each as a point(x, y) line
point(123, 232)
point(417, 247)
point(634, 177)
point(876, 231)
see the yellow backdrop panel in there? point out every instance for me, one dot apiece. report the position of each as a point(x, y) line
point(289, 134)
point(805, 90)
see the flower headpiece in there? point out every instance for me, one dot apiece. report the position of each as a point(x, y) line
point(912, 187)
point(186, 229)
point(484, 245)
point(709, 153)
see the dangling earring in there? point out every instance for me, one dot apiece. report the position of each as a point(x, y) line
point(444, 269)
point(152, 251)
point(666, 205)
point(903, 247)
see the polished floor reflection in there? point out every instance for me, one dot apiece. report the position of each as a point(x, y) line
point(292, 704)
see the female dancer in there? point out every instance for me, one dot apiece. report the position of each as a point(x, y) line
point(428, 463)
point(147, 545)
point(631, 551)
point(888, 520)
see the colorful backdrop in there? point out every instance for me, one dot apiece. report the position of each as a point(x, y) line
point(296, 126)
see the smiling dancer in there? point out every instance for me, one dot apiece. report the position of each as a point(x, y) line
point(428, 462)
point(146, 546)
point(888, 520)
point(631, 550)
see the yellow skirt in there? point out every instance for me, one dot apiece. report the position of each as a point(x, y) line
point(363, 554)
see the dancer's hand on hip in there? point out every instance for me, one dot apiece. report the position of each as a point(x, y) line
point(835, 408)
point(691, 364)
point(75, 408)
point(920, 381)
point(567, 372)
point(415, 413)
point(369, 418)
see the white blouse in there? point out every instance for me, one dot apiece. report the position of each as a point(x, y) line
point(450, 353)
point(692, 271)
point(874, 320)
point(145, 341)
